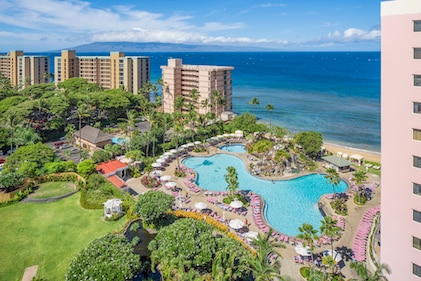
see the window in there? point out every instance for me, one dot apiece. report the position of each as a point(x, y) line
point(416, 270)
point(416, 215)
point(417, 80)
point(417, 25)
point(416, 134)
point(417, 107)
point(416, 162)
point(416, 188)
point(416, 243)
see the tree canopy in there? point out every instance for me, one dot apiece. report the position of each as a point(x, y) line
point(108, 258)
point(153, 205)
point(311, 142)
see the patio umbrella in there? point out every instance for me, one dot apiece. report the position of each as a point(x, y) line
point(168, 153)
point(336, 256)
point(251, 234)
point(156, 165)
point(236, 224)
point(165, 178)
point(160, 160)
point(303, 251)
point(190, 144)
point(200, 205)
point(184, 146)
point(197, 142)
point(156, 172)
point(173, 151)
point(171, 184)
point(236, 204)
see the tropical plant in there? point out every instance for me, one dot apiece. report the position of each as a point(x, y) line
point(270, 108)
point(333, 178)
point(254, 102)
point(330, 229)
point(153, 206)
point(360, 177)
point(365, 275)
point(232, 180)
point(86, 168)
point(308, 234)
point(108, 258)
point(311, 142)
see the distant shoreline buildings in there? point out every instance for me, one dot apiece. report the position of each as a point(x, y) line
point(24, 71)
point(110, 72)
point(207, 88)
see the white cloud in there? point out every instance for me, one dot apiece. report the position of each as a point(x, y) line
point(355, 34)
point(217, 26)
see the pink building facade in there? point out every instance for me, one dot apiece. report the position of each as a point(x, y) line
point(401, 138)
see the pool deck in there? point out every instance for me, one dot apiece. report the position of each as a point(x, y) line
point(289, 266)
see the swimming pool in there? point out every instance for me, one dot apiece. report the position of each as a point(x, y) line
point(289, 203)
point(119, 140)
point(240, 148)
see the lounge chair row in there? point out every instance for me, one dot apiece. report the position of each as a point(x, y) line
point(363, 231)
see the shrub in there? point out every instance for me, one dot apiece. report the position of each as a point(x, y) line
point(134, 227)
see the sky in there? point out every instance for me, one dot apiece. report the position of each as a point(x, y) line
point(290, 25)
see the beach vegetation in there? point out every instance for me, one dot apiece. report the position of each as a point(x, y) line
point(308, 234)
point(231, 177)
point(330, 229)
point(310, 142)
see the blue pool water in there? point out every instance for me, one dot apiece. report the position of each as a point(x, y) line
point(119, 140)
point(239, 148)
point(289, 203)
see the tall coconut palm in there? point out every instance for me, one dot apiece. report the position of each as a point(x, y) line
point(254, 102)
point(329, 228)
point(232, 180)
point(264, 270)
point(11, 120)
point(333, 178)
point(205, 104)
point(218, 99)
point(166, 121)
point(360, 177)
point(308, 234)
point(153, 119)
point(270, 107)
point(266, 245)
point(365, 275)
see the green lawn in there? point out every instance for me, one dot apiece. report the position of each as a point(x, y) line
point(48, 235)
point(52, 189)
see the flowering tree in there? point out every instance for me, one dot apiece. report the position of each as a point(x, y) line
point(108, 258)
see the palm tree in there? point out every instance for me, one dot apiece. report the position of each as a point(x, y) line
point(264, 270)
point(308, 234)
point(365, 275)
point(266, 246)
point(333, 177)
point(166, 121)
point(82, 111)
point(218, 99)
point(360, 177)
point(270, 107)
point(254, 102)
point(179, 103)
point(232, 180)
point(205, 104)
point(11, 121)
point(330, 229)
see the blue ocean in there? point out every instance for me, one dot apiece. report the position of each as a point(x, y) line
point(335, 93)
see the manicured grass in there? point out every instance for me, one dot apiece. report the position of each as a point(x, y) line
point(48, 235)
point(52, 189)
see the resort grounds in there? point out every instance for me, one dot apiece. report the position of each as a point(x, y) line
point(289, 266)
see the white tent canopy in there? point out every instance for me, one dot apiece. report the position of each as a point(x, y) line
point(357, 157)
point(236, 204)
point(200, 205)
point(236, 224)
point(303, 251)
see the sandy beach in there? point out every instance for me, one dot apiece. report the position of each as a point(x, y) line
point(368, 155)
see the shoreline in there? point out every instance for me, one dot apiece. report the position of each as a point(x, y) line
point(369, 155)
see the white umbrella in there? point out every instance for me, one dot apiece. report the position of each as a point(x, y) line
point(251, 234)
point(160, 160)
point(184, 146)
point(303, 251)
point(165, 178)
point(190, 144)
point(236, 224)
point(197, 142)
point(157, 172)
point(165, 157)
point(156, 165)
point(168, 153)
point(173, 151)
point(200, 205)
point(219, 136)
point(236, 204)
point(171, 184)
point(336, 256)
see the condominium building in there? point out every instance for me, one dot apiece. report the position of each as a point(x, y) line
point(110, 72)
point(401, 138)
point(24, 70)
point(212, 84)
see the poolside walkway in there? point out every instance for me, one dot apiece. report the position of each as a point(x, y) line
point(289, 266)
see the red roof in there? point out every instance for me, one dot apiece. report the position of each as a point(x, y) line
point(117, 181)
point(110, 166)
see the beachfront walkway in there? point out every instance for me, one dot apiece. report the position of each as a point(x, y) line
point(289, 266)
